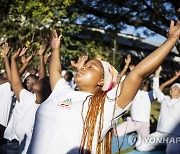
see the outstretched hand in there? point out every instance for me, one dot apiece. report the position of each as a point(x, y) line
point(46, 58)
point(23, 51)
point(5, 49)
point(81, 61)
point(174, 30)
point(56, 40)
point(42, 49)
point(20, 53)
point(158, 71)
point(128, 59)
point(16, 54)
point(177, 73)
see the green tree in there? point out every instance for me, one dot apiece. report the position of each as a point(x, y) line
point(28, 23)
point(114, 15)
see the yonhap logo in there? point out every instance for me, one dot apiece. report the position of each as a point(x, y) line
point(134, 139)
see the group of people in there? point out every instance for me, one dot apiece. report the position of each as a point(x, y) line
point(44, 113)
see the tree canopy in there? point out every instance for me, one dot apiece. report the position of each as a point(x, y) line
point(29, 22)
point(115, 15)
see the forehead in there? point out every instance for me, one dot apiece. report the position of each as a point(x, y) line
point(95, 62)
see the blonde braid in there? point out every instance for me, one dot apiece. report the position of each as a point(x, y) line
point(95, 108)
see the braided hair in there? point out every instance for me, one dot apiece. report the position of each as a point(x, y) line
point(95, 111)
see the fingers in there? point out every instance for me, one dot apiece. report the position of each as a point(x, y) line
point(171, 23)
point(178, 24)
point(23, 51)
point(16, 54)
point(72, 63)
point(49, 54)
point(60, 37)
point(55, 35)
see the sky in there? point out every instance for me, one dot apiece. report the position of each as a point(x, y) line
point(155, 40)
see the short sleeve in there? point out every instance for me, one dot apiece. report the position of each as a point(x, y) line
point(111, 109)
point(5, 102)
point(60, 87)
point(26, 98)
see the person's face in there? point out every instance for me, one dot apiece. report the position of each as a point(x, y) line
point(29, 83)
point(145, 87)
point(90, 76)
point(41, 86)
point(175, 92)
point(33, 71)
point(37, 86)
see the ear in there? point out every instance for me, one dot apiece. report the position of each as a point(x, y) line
point(101, 82)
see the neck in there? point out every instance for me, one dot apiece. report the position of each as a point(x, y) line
point(92, 91)
point(38, 98)
point(175, 97)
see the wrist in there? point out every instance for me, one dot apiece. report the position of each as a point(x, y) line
point(4, 56)
point(13, 59)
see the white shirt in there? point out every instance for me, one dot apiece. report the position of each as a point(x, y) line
point(10, 129)
point(25, 124)
point(169, 117)
point(5, 102)
point(141, 106)
point(59, 126)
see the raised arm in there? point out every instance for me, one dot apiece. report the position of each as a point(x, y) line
point(25, 61)
point(55, 64)
point(15, 77)
point(46, 58)
point(25, 64)
point(156, 77)
point(147, 66)
point(5, 51)
point(170, 81)
point(42, 71)
point(127, 62)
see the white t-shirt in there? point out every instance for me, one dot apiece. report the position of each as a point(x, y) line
point(59, 126)
point(5, 102)
point(141, 106)
point(25, 124)
point(169, 117)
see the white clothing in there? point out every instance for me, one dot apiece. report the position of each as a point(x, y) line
point(130, 126)
point(159, 139)
point(5, 102)
point(71, 84)
point(151, 141)
point(25, 124)
point(169, 117)
point(141, 106)
point(10, 129)
point(59, 126)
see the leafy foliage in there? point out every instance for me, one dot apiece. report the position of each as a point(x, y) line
point(29, 22)
point(115, 15)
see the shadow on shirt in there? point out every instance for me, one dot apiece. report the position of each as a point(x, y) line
point(77, 150)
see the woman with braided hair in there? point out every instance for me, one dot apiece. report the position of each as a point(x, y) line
point(78, 121)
